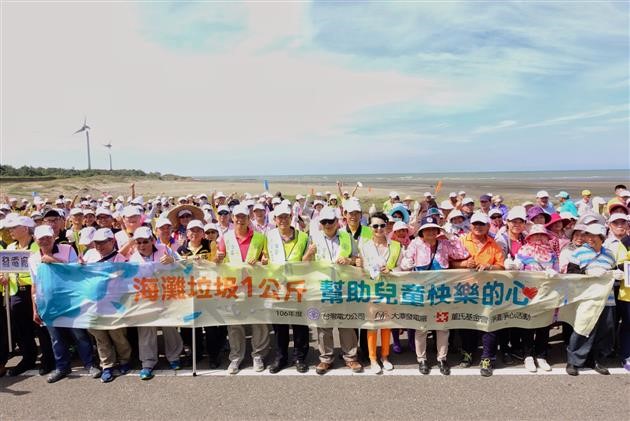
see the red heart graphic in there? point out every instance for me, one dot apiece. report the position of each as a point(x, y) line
point(530, 292)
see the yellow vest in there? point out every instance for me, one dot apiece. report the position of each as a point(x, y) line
point(20, 279)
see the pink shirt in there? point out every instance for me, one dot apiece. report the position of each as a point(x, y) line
point(243, 243)
point(419, 253)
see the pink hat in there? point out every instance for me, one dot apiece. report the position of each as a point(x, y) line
point(555, 217)
point(537, 229)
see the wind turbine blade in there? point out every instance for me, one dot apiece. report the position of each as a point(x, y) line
point(79, 131)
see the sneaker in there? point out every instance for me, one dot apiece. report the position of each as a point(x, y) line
point(107, 375)
point(146, 374)
point(175, 365)
point(543, 364)
point(259, 364)
point(94, 372)
point(57, 375)
point(572, 370)
point(322, 368)
point(466, 360)
point(387, 365)
point(124, 369)
point(486, 367)
point(233, 368)
point(375, 368)
point(445, 369)
point(530, 364)
point(626, 364)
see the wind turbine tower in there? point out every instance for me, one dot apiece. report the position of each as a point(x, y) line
point(86, 129)
point(109, 148)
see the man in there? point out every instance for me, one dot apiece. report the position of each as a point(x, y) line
point(485, 254)
point(485, 203)
point(287, 244)
point(335, 246)
point(566, 204)
point(132, 220)
point(56, 220)
point(104, 219)
point(595, 260)
point(147, 252)
point(389, 203)
point(497, 203)
point(260, 223)
point(112, 345)
point(223, 216)
point(164, 231)
point(19, 286)
point(542, 199)
point(619, 190)
point(50, 252)
point(243, 245)
point(585, 205)
point(467, 208)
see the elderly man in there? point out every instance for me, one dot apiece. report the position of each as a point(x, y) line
point(132, 220)
point(485, 203)
point(585, 205)
point(542, 200)
point(566, 204)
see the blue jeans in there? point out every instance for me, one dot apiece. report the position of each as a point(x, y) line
point(60, 347)
point(595, 346)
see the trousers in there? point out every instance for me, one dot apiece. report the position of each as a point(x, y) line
point(372, 337)
point(238, 341)
point(326, 345)
point(148, 346)
point(441, 344)
point(301, 336)
point(112, 346)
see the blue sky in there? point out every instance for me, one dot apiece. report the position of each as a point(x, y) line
point(229, 88)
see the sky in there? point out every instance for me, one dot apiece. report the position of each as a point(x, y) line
point(273, 88)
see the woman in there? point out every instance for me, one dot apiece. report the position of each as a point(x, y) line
point(496, 221)
point(537, 255)
point(400, 233)
point(456, 224)
point(555, 227)
point(163, 231)
point(537, 215)
point(379, 256)
point(428, 252)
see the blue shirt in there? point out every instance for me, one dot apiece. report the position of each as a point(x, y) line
point(569, 206)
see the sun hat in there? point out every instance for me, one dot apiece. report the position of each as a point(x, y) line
point(480, 217)
point(86, 235)
point(428, 222)
point(455, 214)
point(142, 232)
point(537, 210)
point(195, 223)
point(399, 225)
point(174, 213)
point(542, 194)
point(596, 229)
point(537, 229)
point(403, 211)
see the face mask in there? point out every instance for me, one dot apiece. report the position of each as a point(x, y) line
point(397, 219)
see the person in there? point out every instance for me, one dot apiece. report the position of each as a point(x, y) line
point(391, 201)
point(467, 208)
point(131, 220)
point(19, 287)
point(538, 255)
point(430, 252)
point(244, 245)
point(537, 215)
point(497, 203)
point(585, 205)
point(496, 221)
point(542, 200)
point(485, 254)
point(148, 252)
point(620, 189)
point(105, 219)
point(485, 203)
point(287, 244)
point(49, 252)
point(379, 255)
point(566, 204)
point(457, 224)
point(333, 245)
point(212, 234)
point(260, 222)
point(112, 345)
point(592, 259)
point(164, 230)
point(223, 220)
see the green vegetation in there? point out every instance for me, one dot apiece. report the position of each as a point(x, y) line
point(28, 173)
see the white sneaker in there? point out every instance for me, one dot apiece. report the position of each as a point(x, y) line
point(543, 364)
point(387, 365)
point(233, 368)
point(530, 364)
point(259, 364)
point(375, 368)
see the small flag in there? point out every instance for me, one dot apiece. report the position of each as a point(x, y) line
point(34, 193)
point(266, 185)
point(438, 187)
point(312, 191)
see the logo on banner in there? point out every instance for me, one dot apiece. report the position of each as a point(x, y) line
point(441, 316)
point(313, 313)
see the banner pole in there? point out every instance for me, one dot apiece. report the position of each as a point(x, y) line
point(7, 303)
point(194, 350)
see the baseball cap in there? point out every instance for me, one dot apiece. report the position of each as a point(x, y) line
point(15, 220)
point(103, 211)
point(596, 229)
point(617, 216)
point(479, 217)
point(452, 194)
point(103, 234)
point(393, 195)
point(240, 210)
point(429, 222)
point(281, 210)
point(276, 200)
point(446, 205)
point(195, 223)
point(161, 222)
point(454, 214)
point(399, 225)
point(485, 198)
point(563, 195)
point(586, 192)
point(210, 226)
point(142, 232)
point(219, 195)
point(517, 212)
point(624, 193)
point(352, 206)
point(259, 206)
point(467, 201)
point(327, 213)
point(130, 211)
point(76, 211)
point(494, 211)
point(299, 197)
point(223, 208)
point(427, 194)
point(541, 194)
point(43, 231)
point(461, 192)
point(86, 235)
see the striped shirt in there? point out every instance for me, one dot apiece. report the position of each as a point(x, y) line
point(587, 258)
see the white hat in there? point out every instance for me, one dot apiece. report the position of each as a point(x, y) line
point(327, 193)
point(616, 217)
point(318, 193)
point(195, 223)
point(446, 205)
point(219, 194)
point(596, 229)
point(393, 195)
point(249, 203)
point(162, 221)
point(299, 197)
point(527, 203)
point(15, 220)
point(76, 211)
point(332, 196)
point(259, 206)
point(480, 217)
point(130, 211)
point(327, 214)
point(203, 196)
point(567, 215)
point(494, 211)
point(182, 199)
point(210, 226)
point(624, 193)
point(517, 212)
point(399, 225)
point(352, 206)
point(36, 215)
point(207, 207)
point(454, 214)
point(452, 194)
point(24, 201)
point(86, 235)
point(103, 211)
point(276, 200)
point(38, 200)
point(142, 232)
point(467, 201)
point(103, 234)
point(138, 200)
point(13, 199)
point(461, 192)
point(88, 212)
point(57, 202)
point(240, 210)
point(120, 199)
point(43, 231)
point(429, 222)
point(223, 208)
point(427, 194)
point(542, 194)
point(319, 202)
point(281, 210)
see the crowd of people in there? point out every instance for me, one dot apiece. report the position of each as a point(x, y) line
point(404, 235)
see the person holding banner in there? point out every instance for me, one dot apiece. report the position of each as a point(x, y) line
point(331, 244)
point(287, 244)
point(431, 251)
point(4, 333)
point(379, 255)
point(244, 245)
point(132, 219)
point(147, 252)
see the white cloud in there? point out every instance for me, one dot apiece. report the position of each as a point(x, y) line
point(500, 125)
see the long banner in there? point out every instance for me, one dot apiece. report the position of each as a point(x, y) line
point(112, 295)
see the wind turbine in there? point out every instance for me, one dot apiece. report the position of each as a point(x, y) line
point(109, 147)
point(86, 129)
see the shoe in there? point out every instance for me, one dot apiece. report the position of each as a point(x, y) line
point(424, 367)
point(486, 368)
point(146, 374)
point(543, 364)
point(518, 354)
point(276, 367)
point(124, 369)
point(259, 364)
point(600, 369)
point(44, 369)
point(301, 367)
point(355, 366)
point(572, 370)
point(445, 369)
point(19, 369)
point(387, 365)
point(375, 368)
point(107, 375)
point(396, 348)
point(57, 375)
point(175, 365)
point(94, 371)
point(507, 358)
point(466, 360)
point(530, 364)
point(626, 364)
point(233, 368)
point(322, 368)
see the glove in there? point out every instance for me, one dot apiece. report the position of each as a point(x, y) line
point(596, 272)
point(617, 275)
point(510, 264)
point(550, 273)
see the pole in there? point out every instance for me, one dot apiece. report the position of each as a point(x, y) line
point(87, 137)
point(110, 161)
point(194, 350)
point(7, 303)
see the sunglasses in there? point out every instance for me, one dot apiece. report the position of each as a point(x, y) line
point(327, 221)
point(101, 243)
point(223, 213)
point(377, 226)
point(185, 216)
point(143, 241)
point(479, 224)
point(496, 217)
